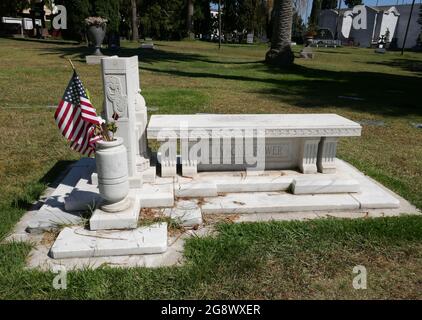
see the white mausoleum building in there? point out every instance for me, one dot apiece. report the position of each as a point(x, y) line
point(378, 20)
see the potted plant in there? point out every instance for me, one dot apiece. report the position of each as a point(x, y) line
point(96, 27)
point(310, 34)
point(112, 169)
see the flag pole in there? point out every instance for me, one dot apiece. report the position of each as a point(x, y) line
point(71, 64)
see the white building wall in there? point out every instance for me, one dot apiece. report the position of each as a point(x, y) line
point(389, 22)
point(363, 37)
point(346, 26)
point(414, 27)
point(380, 18)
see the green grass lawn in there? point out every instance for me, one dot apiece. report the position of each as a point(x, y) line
point(260, 260)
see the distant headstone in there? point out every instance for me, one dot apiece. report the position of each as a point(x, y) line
point(381, 45)
point(376, 123)
point(249, 38)
point(307, 53)
point(147, 46)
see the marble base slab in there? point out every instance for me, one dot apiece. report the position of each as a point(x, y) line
point(161, 193)
point(93, 59)
point(210, 184)
point(77, 242)
point(156, 195)
point(267, 202)
point(85, 196)
point(187, 213)
point(126, 219)
point(374, 201)
point(195, 189)
point(324, 184)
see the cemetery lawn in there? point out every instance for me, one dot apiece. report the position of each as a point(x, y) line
point(285, 260)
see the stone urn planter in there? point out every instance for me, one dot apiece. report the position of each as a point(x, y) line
point(112, 170)
point(97, 34)
point(308, 40)
point(96, 27)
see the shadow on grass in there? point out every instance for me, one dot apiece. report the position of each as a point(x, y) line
point(148, 56)
point(46, 41)
point(376, 93)
point(33, 191)
point(304, 87)
point(404, 64)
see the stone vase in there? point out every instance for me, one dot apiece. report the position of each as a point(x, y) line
point(112, 170)
point(97, 34)
point(308, 40)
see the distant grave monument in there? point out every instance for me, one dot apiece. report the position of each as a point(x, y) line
point(307, 53)
point(382, 42)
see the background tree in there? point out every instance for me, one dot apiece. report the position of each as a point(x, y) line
point(108, 9)
point(244, 16)
point(202, 20)
point(316, 8)
point(280, 53)
point(420, 22)
point(126, 24)
point(77, 11)
point(329, 4)
point(352, 3)
point(134, 16)
point(298, 27)
point(189, 17)
point(12, 8)
point(163, 19)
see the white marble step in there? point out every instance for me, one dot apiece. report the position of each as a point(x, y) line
point(270, 202)
point(77, 242)
point(326, 184)
point(156, 195)
point(209, 184)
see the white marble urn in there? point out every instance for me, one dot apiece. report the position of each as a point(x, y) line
point(112, 170)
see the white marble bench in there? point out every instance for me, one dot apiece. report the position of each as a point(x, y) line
point(213, 142)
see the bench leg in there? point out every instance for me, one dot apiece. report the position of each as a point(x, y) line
point(327, 155)
point(168, 168)
point(168, 158)
point(189, 168)
point(308, 155)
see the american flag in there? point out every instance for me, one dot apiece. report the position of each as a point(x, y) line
point(76, 117)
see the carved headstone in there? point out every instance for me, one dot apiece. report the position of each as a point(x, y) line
point(122, 96)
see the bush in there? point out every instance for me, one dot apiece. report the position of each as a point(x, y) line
point(79, 10)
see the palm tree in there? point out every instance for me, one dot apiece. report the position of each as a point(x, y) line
point(281, 53)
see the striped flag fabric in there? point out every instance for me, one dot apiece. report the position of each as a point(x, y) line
point(76, 118)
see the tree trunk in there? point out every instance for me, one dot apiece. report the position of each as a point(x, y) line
point(135, 34)
point(189, 22)
point(281, 53)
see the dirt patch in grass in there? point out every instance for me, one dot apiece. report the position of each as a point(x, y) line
point(49, 237)
point(150, 216)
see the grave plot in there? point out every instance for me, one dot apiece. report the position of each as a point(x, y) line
point(130, 207)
